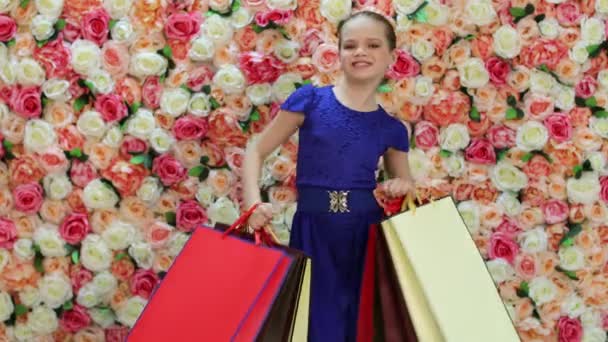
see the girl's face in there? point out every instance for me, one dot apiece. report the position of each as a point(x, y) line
point(365, 53)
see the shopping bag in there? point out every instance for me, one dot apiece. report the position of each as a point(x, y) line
point(220, 288)
point(449, 293)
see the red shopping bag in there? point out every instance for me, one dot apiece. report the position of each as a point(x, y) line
point(219, 288)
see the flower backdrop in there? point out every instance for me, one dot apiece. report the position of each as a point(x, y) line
point(124, 123)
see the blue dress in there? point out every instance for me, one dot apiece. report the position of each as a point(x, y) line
point(339, 150)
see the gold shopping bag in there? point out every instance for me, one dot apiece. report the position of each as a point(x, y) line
point(448, 290)
point(300, 330)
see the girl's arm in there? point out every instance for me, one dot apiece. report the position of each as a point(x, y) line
point(397, 167)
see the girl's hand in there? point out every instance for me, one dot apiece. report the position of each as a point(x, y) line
point(261, 216)
point(397, 187)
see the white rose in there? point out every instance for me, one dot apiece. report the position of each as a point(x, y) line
point(30, 296)
point(420, 164)
point(542, 290)
point(141, 124)
point(55, 289)
point(130, 310)
point(95, 254)
point(218, 29)
point(85, 56)
point(531, 136)
point(202, 49)
point(578, 52)
point(150, 190)
point(30, 73)
point(88, 296)
point(6, 306)
point(161, 140)
point(23, 248)
point(473, 73)
point(176, 243)
point(602, 78)
point(57, 89)
point(592, 30)
point(43, 320)
point(174, 101)
point(286, 50)
point(549, 28)
point(97, 195)
point(534, 240)
point(406, 6)
point(509, 203)
point(90, 123)
point(199, 105)
point(229, 79)
point(241, 18)
point(591, 318)
point(403, 23)
point(507, 177)
point(285, 85)
point(455, 165)
point(480, 12)
point(102, 81)
point(3, 111)
point(422, 49)
point(599, 126)
point(39, 135)
point(336, 10)
point(423, 90)
point(42, 27)
point(50, 242)
point(454, 137)
point(470, 213)
point(585, 190)
point(145, 64)
point(285, 5)
point(51, 8)
point(573, 306)
point(500, 270)
point(541, 82)
point(564, 97)
point(57, 186)
point(289, 213)
point(571, 258)
point(105, 283)
point(223, 211)
point(598, 161)
point(204, 194)
point(594, 334)
point(123, 30)
point(118, 8)
point(23, 332)
point(506, 43)
point(601, 6)
point(437, 14)
point(113, 137)
point(8, 72)
point(119, 235)
point(102, 317)
point(143, 255)
point(5, 258)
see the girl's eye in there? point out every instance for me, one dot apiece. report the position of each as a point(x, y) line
point(374, 46)
point(348, 47)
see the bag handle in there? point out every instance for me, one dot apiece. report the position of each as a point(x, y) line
point(263, 235)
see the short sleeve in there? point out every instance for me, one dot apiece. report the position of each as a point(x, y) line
point(302, 100)
point(396, 135)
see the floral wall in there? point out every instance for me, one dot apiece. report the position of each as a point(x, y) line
point(124, 122)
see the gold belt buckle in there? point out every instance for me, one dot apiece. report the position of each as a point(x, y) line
point(338, 201)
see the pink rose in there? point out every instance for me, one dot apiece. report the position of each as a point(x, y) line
point(75, 319)
point(568, 13)
point(95, 26)
point(311, 39)
point(404, 66)
point(326, 58)
point(168, 169)
point(570, 329)
point(498, 69)
point(151, 92)
point(74, 228)
point(604, 188)
point(501, 136)
point(538, 106)
point(111, 107)
point(183, 26)
point(426, 135)
point(71, 31)
point(199, 77)
point(586, 87)
point(79, 277)
point(143, 283)
point(8, 28)
point(27, 102)
point(480, 151)
point(605, 321)
point(190, 128)
point(132, 145)
point(115, 58)
point(82, 173)
point(508, 227)
point(54, 57)
point(502, 246)
point(559, 127)
point(8, 233)
point(117, 333)
point(555, 211)
point(53, 160)
point(28, 197)
point(189, 215)
point(260, 68)
point(543, 51)
point(526, 266)
point(276, 16)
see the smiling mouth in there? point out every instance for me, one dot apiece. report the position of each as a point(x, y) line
point(361, 64)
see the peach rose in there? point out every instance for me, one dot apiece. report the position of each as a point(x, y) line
point(577, 213)
point(434, 68)
point(6, 201)
point(158, 234)
point(100, 155)
point(133, 210)
point(530, 217)
point(25, 169)
point(70, 138)
point(188, 152)
point(129, 89)
point(101, 219)
point(220, 181)
point(53, 211)
point(282, 196)
point(58, 114)
point(326, 58)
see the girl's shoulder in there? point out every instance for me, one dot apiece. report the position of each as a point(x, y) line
point(305, 98)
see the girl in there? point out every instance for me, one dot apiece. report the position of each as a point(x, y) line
point(342, 134)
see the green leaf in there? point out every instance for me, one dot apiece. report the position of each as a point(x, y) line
point(579, 101)
point(45, 100)
point(38, 263)
point(60, 24)
point(517, 12)
point(75, 257)
point(120, 256)
point(591, 102)
point(170, 217)
point(196, 171)
point(7, 145)
point(138, 159)
point(185, 87)
point(511, 114)
point(543, 67)
point(570, 274)
point(37, 249)
point(474, 114)
point(421, 16)
point(257, 28)
point(166, 51)
point(469, 37)
point(526, 157)
point(76, 152)
point(384, 88)
point(587, 165)
point(539, 18)
point(578, 171)
point(413, 15)
point(204, 174)
point(214, 103)
point(23, 3)
point(69, 305)
point(134, 107)
point(11, 42)
point(41, 43)
point(545, 155)
point(568, 239)
point(206, 89)
point(255, 115)
point(523, 289)
point(236, 5)
point(81, 102)
point(204, 160)
point(511, 101)
point(529, 9)
point(593, 50)
point(445, 153)
point(567, 242)
point(601, 114)
point(501, 153)
point(112, 23)
point(21, 309)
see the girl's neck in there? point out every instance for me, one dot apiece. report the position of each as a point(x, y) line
point(358, 96)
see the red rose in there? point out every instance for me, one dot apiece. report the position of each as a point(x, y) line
point(426, 135)
point(75, 319)
point(260, 68)
point(502, 246)
point(79, 276)
point(189, 215)
point(111, 107)
point(117, 333)
point(559, 126)
point(8, 28)
point(447, 107)
point(182, 26)
point(74, 228)
point(28, 197)
point(568, 13)
point(190, 128)
point(498, 69)
point(570, 329)
point(501, 136)
point(143, 283)
point(508, 227)
point(480, 151)
point(82, 173)
point(604, 188)
point(27, 102)
point(125, 176)
point(95, 26)
point(404, 66)
point(555, 211)
point(151, 92)
point(8, 233)
point(168, 169)
point(132, 145)
point(199, 77)
point(54, 56)
point(586, 87)
point(311, 39)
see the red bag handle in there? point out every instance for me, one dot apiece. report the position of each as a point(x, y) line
point(261, 236)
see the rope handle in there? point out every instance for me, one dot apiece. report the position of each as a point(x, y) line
point(264, 235)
